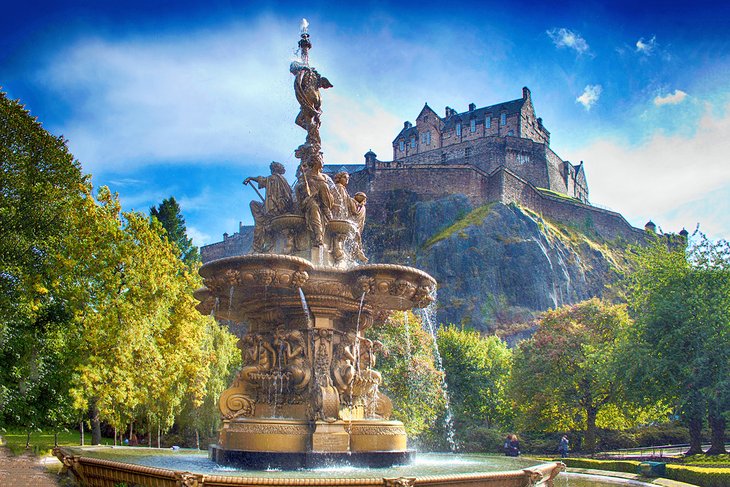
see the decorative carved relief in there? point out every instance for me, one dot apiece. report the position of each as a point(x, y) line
point(404, 288)
point(375, 430)
point(365, 284)
point(400, 482)
point(187, 479)
point(270, 429)
point(265, 277)
point(299, 278)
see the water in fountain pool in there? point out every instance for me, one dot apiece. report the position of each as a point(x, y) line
point(198, 462)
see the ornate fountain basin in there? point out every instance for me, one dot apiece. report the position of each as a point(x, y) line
point(243, 287)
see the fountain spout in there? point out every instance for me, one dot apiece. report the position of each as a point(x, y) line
point(304, 43)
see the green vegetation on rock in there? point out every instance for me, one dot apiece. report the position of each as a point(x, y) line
point(474, 217)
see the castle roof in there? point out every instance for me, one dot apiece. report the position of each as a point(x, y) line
point(408, 131)
point(508, 107)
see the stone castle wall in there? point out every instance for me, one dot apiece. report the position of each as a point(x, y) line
point(433, 181)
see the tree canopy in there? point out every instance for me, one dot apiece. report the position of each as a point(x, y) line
point(168, 213)
point(96, 307)
point(568, 375)
point(680, 298)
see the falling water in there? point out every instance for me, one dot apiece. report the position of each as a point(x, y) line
point(407, 327)
point(428, 315)
point(305, 308)
point(357, 333)
point(214, 309)
point(230, 300)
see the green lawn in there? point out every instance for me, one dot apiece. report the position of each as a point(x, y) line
point(41, 442)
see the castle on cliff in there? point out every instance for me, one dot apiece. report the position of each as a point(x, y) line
point(498, 153)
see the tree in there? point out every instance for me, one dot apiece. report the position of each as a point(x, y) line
point(39, 183)
point(138, 318)
point(477, 372)
point(168, 213)
point(568, 374)
point(410, 377)
point(680, 298)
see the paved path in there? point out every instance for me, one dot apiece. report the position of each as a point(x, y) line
point(24, 471)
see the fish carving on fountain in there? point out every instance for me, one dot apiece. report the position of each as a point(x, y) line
point(308, 389)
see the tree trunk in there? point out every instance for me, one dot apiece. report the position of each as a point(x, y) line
point(95, 425)
point(694, 422)
point(158, 435)
point(115, 436)
point(717, 426)
point(590, 439)
point(27, 440)
point(197, 439)
point(82, 431)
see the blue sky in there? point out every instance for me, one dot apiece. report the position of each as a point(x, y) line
point(186, 99)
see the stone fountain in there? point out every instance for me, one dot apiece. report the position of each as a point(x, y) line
point(308, 391)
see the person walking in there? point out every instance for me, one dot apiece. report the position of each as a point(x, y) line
point(563, 447)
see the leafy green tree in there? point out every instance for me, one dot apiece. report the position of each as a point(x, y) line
point(477, 372)
point(410, 377)
point(138, 317)
point(568, 375)
point(169, 214)
point(39, 183)
point(680, 298)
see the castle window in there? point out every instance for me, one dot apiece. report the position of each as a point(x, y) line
point(458, 130)
point(523, 158)
point(488, 122)
point(426, 138)
point(402, 145)
point(473, 125)
point(503, 119)
point(413, 142)
point(467, 152)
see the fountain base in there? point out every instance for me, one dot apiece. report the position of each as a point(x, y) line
point(256, 443)
point(256, 460)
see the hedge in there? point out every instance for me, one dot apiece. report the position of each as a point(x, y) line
point(702, 476)
point(706, 477)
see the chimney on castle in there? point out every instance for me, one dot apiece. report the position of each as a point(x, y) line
point(525, 93)
point(407, 125)
point(472, 107)
point(449, 112)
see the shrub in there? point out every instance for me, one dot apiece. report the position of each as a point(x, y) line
point(706, 477)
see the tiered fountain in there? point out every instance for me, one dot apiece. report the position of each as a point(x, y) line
point(308, 391)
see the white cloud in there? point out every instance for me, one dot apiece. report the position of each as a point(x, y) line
point(206, 96)
point(646, 47)
point(590, 96)
point(563, 37)
point(674, 180)
point(670, 99)
point(199, 238)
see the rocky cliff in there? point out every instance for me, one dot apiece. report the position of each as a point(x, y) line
point(496, 265)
